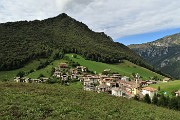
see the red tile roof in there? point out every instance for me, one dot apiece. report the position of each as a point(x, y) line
point(149, 89)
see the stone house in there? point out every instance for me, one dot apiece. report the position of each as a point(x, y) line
point(103, 88)
point(90, 83)
point(81, 69)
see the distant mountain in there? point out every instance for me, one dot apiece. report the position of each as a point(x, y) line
point(163, 53)
point(24, 41)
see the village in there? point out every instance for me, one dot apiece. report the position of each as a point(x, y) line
point(106, 82)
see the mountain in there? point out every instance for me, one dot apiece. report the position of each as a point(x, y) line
point(163, 53)
point(24, 41)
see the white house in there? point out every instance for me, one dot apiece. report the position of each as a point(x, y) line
point(17, 79)
point(166, 80)
point(125, 78)
point(149, 90)
point(110, 83)
point(116, 91)
point(177, 93)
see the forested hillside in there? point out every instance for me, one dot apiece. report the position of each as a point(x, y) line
point(24, 41)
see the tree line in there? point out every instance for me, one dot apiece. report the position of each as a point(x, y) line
point(162, 100)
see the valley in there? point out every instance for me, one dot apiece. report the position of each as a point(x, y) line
point(58, 68)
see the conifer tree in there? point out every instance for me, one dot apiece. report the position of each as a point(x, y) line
point(155, 99)
point(147, 99)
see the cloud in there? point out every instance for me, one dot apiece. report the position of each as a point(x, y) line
point(117, 18)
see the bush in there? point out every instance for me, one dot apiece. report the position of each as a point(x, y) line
point(53, 80)
point(21, 74)
point(31, 71)
point(74, 56)
point(41, 75)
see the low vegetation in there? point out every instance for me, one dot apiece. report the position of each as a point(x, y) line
point(53, 101)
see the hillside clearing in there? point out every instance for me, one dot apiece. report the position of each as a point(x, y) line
point(9, 75)
point(168, 87)
point(45, 71)
point(126, 68)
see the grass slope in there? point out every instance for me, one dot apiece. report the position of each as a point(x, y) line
point(43, 101)
point(168, 87)
point(45, 71)
point(126, 68)
point(9, 75)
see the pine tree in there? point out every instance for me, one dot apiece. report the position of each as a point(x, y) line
point(173, 103)
point(147, 99)
point(162, 100)
point(155, 99)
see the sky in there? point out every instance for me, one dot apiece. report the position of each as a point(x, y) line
point(126, 21)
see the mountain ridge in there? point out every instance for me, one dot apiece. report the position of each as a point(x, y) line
point(162, 53)
point(26, 40)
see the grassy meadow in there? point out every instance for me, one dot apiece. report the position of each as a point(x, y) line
point(56, 102)
point(9, 75)
point(168, 87)
point(126, 68)
point(45, 71)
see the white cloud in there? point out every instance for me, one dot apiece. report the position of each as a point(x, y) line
point(117, 18)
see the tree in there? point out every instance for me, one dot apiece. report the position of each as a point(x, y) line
point(155, 99)
point(173, 103)
point(41, 75)
point(162, 100)
point(147, 99)
point(159, 88)
point(155, 78)
point(20, 74)
point(105, 72)
point(74, 56)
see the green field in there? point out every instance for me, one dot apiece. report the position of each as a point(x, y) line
point(47, 70)
point(55, 102)
point(9, 75)
point(126, 68)
point(168, 87)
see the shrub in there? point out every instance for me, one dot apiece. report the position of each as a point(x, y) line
point(21, 74)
